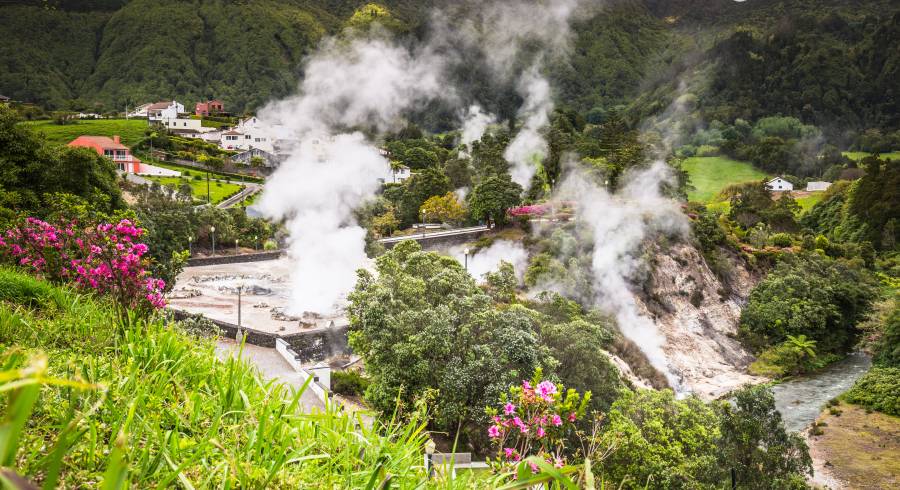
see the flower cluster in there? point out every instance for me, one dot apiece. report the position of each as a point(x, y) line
point(532, 210)
point(535, 419)
point(107, 258)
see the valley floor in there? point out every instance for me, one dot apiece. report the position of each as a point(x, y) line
point(857, 450)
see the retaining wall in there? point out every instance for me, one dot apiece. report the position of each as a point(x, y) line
point(235, 259)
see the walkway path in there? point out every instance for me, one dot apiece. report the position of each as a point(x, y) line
point(424, 236)
point(272, 366)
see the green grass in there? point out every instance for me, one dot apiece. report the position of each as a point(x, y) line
point(218, 191)
point(131, 130)
point(709, 175)
point(859, 155)
point(153, 406)
point(806, 203)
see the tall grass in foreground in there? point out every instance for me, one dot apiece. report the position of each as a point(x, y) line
point(89, 405)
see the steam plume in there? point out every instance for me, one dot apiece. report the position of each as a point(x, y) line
point(619, 224)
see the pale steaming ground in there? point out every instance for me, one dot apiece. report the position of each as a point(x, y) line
point(488, 259)
point(529, 144)
point(619, 223)
point(475, 123)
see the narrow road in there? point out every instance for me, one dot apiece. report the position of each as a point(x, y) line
point(249, 190)
point(272, 366)
point(437, 234)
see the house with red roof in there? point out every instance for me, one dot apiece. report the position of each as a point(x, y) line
point(111, 148)
point(209, 108)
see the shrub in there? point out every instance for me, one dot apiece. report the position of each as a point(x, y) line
point(879, 389)
point(348, 383)
point(197, 177)
point(781, 240)
point(707, 151)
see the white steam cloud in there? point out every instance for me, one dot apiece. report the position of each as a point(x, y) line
point(332, 169)
point(619, 224)
point(475, 123)
point(529, 144)
point(488, 259)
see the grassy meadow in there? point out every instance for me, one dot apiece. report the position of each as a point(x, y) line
point(218, 191)
point(131, 130)
point(859, 155)
point(709, 175)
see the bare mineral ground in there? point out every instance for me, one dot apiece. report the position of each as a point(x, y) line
point(212, 290)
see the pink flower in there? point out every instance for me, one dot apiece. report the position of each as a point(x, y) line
point(541, 432)
point(572, 417)
point(509, 452)
point(556, 420)
point(546, 389)
point(493, 432)
point(534, 467)
point(509, 409)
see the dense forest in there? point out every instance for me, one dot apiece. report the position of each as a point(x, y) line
point(834, 67)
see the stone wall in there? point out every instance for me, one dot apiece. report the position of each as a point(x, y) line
point(234, 259)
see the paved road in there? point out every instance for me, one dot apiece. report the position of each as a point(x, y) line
point(272, 366)
point(249, 190)
point(437, 234)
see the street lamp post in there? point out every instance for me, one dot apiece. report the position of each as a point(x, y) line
point(429, 457)
point(212, 231)
point(466, 251)
point(256, 243)
point(240, 288)
point(423, 223)
point(190, 246)
point(236, 250)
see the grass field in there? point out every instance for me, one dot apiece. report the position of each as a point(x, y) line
point(218, 191)
point(859, 155)
point(131, 130)
point(807, 202)
point(709, 175)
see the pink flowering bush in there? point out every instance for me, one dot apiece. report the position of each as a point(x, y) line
point(529, 211)
point(107, 258)
point(535, 419)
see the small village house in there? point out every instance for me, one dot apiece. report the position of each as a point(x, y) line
point(244, 158)
point(111, 148)
point(208, 108)
point(817, 186)
point(120, 154)
point(779, 185)
point(164, 110)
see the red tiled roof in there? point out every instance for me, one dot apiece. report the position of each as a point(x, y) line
point(159, 105)
point(97, 142)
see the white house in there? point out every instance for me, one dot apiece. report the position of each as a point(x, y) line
point(395, 175)
point(182, 124)
point(247, 139)
point(139, 111)
point(164, 110)
point(244, 157)
point(817, 186)
point(778, 184)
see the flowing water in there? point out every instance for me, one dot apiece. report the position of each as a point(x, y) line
point(801, 400)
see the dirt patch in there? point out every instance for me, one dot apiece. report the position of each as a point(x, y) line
point(856, 449)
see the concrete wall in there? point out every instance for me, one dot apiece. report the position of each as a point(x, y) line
point(313, 346)
point(234, 259)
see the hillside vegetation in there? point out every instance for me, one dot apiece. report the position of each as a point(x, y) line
point(829, 63)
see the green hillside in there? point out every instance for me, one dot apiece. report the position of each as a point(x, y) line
point(828, 62)
point(131, 130)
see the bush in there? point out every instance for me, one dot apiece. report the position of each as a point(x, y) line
point(707, 151)
point(348, 383)
point(782, 240)
point(879, 390)
point(270, 245)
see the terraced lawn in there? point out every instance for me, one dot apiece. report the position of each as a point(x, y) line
point(709, 175)
point(218, 191)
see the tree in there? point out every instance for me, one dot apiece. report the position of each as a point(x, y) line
point(386, 223)
point(663, 442)
point(492, 197)
point(257, 162)
point(755, 443)
point(424, 327)
point(446, 209)
point(417, 189)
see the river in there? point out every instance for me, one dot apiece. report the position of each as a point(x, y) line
point(801, 400)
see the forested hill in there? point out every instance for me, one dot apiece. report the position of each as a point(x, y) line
point(832, 63)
